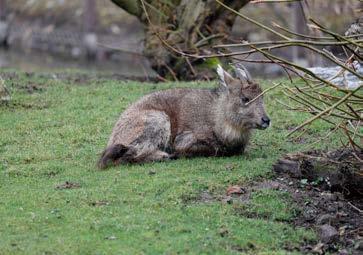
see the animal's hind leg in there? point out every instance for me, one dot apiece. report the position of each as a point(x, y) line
point(152, 143)
point(190, 144)
point(157, 155)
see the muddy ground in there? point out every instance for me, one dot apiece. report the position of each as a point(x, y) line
point(330, 198)
point(327, 188)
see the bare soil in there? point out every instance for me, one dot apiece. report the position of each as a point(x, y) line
point(328, 189)
point(68, 185)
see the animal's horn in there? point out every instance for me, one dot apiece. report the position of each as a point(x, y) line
point(224, 77)
point(242, 73)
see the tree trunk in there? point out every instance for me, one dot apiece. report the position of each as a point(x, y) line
point(89, 16)
point(300, 26)
point(188, 25)
point(2, 9)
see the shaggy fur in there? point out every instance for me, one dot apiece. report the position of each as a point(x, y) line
point(188, 122)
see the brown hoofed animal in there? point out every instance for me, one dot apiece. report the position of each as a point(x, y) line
point(188, 122)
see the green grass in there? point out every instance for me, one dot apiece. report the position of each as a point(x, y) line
point(56, 134)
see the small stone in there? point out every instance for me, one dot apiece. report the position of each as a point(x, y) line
point(230, 167)
point(318, 249)
point(329, 196)
point(309, 215)
point(152, 172)
point(359, 245)
point(331, 209)
point(342, 214)
point(110, 238)
point(304, 181)
point(342, 230)
point(341, 205)
point(223, 232)
point(288, 166)
point(343, 252)
point(339, 195)
point(325, 219)
point(328, 234)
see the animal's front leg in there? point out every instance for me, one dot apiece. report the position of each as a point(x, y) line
point(189, 144)
point(233, 150)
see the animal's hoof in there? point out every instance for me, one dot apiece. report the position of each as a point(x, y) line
point(173, 156)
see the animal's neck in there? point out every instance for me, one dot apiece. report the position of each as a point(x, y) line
point(230, 134)
point(226, 130)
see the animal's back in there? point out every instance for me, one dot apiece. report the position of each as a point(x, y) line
point(183, 108)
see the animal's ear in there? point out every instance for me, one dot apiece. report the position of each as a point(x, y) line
point(224, 78)
point(242, 73)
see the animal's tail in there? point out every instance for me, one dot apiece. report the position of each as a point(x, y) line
point(112, 155)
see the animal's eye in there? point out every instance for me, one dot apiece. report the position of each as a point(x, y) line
point(245, 100)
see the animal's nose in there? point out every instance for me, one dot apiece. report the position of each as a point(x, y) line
point(265, 121)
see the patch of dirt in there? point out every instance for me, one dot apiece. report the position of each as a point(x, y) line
point(340, 170)
point(235, 194)
point(9, 75)
point(32, 88)
point(203, 197)
point(29, 106)
point(328, 189)
point(68, 185)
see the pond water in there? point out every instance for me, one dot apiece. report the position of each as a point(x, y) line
point(131, 65)
point(127, 64)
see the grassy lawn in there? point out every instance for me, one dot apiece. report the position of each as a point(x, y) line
point(55, 133)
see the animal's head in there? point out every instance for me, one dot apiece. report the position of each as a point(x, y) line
point(238, 93)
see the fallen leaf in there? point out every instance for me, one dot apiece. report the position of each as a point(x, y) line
point(318, 249)
point(235, 189)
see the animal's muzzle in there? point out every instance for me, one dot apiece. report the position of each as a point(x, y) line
point(265, 122)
